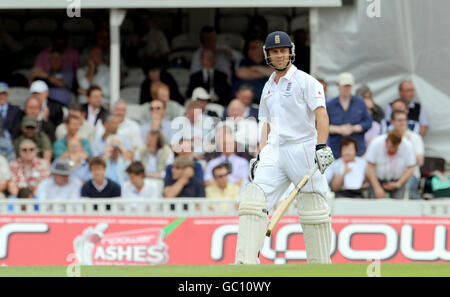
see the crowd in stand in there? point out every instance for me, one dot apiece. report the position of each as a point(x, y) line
point(66, 142)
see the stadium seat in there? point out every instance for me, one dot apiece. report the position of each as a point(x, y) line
point(276, 23)
point(235, 41)
point(130, 94)
point(186, 56)
point(300, 22)
point(40, 25)
point(137, 112)
point(9, 25)
point(233, 24)
point(134, 78)
point(79, 25)
point(185, 41)
point(18, 95)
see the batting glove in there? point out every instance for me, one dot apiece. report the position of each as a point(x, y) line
point(252, 168)
point(324, 157)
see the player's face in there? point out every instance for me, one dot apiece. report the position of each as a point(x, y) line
point(279, 56)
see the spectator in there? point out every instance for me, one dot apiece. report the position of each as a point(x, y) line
point(23, 193)
point(302, 50)
point(128, 128)
point(51, 110)
point(153, 42)
point(28, 170)
point(346, 175)
point(391, 163)
point(225, 57)
point(77, 158)
point(99, 186)
point(162, 92)
point(137, 185)
point(6, 146)
point(5, 178)
point(204, 98)
point(214, 81)
point(399, 120)
point(157, 122)
point(60, 185)
point(222, 189)
point(10, 114)
point(238, 166)
point(184, 148)
point(417, 118)
point(154, 73)
point(116, 160)
point(245, 95)
point(73, 124)
point(156, 155)
point(86, 130)
point(375, 110)
point(95, 73)
point(111, 126)
point(33, 109)
point(325, 86)
point(257, 28)
point(29, 131)
point(348, 116)
point(253, 69)
point(58, 79)
point(399, 105)
point(71, 57)
point(93, 110)
point(183, 183)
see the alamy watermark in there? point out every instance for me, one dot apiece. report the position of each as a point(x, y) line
point(74, 268)
point(73, 8)
point(374, 9)
point(374, 268)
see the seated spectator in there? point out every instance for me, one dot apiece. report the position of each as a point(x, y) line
point(184, 148)
point(302, 50)
point(391, 163)
point(33, 108)
point(60, 185)
point(154, 73)
point(23, 193)
point(348, 116)
point(399, 105)
point(5, 178)
point(29, 131)
point(346, 175)
point(116, 160)
point(77, 158)
point(225, 57)
point(222, 189)
point(6, 146)
point(95, 73)
point(157, 122)
point(399, 120)
point(156, 155)
point(28, 170)
point(204, 98)
point(417, 117)
point(58, 79)
point(153, 42)
point(162, 92)
point(137, 185)
point(94, 112)
point(99, 186)
point(375, 110)
point(253, 69)
point(245, 95)
point(10, 115)
point(238, 166)
point(71, 57)
point(111, 125)
point(214, 81)
point(51, 110)
point(183, 184)
point(73, 124)
point(128, 128)
point(86, 130)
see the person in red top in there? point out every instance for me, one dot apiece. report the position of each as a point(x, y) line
point(28, 170)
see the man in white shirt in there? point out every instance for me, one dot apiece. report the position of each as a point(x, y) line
point(60, 185)
point(137, 186)
point(128, 128)
point(391, 163)
point(399, 120)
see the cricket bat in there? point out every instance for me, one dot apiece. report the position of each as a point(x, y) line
point(281, 209)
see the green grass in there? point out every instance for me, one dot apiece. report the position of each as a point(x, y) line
point(293, 270)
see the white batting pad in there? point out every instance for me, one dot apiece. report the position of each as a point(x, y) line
point(314, 216)
point(253, 219)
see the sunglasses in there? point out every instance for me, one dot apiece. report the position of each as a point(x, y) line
point(28, 149)
point(155, 108)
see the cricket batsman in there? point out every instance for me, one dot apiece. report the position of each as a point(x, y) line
point(294, 135)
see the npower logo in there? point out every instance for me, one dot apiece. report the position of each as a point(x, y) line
point(394, 243)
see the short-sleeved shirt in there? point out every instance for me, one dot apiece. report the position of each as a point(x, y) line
point(390, 168)
point(29, 177)
point(289, 106)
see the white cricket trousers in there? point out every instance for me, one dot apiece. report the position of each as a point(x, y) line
point(279, 166)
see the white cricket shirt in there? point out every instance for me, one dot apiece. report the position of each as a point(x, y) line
point(289, 106)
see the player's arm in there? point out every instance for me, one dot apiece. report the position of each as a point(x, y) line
point(264, 135)
point(322, 124)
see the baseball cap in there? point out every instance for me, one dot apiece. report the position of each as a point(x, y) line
point(200, 93)
point(3, 87)
point(61, 167)
point(29, 121)
point(38, 86)
point(346, 78)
